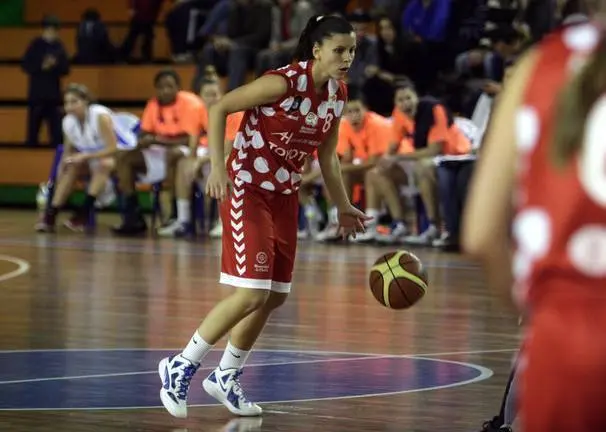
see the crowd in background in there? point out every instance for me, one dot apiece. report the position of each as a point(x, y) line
point(451, 53)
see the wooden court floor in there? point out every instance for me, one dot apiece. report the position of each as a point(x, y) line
point(85, 319)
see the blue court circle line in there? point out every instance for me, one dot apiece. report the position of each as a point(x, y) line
point(484, 373)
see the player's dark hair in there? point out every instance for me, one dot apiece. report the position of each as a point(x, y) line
point(167, 73)
point(574, 103)
point(319, 28)
point(80, 90)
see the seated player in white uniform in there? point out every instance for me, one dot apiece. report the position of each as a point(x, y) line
point(93, 137)
point(197, 168)
point(170, 121)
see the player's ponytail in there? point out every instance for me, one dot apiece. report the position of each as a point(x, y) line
point(318, 28)
point(574, 103)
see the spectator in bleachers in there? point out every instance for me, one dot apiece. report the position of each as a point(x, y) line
point(217, 20)
point(184, 23)
point(424, 25)
point(333, 6)
point(197, 168)
point(391, 68)
point(289, 18)
point(453, 174)
point(248, 32)
point(45, 62)
point(383, 183)
point(506, 42)
point(170, 122)
point(144, 14)
point(364, 137)
point(93, 46)
point(435, 133)
point(365, 63)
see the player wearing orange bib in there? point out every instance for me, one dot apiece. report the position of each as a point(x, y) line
point(195, 163)
point(364, 137)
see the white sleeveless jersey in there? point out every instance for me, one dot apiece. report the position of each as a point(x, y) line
point(86, 137)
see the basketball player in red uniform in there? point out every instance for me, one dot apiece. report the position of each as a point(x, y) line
point(546, 149)
point(289, 114)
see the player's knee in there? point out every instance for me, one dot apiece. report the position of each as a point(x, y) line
point(275, 300)
point(253, 299)
point(106, 165)
point(173, 156)
point(370, 175)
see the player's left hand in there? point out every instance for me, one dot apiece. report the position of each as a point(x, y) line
point(351, 221)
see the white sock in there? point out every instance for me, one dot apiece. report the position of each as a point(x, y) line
point(233, 358)
point(333, 215)
point(183, 210)
point(374, 214)
point(196, 349)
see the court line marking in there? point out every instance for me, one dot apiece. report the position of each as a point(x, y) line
point(313, 352)
point(22, 267)
point(262, 364)
point(208, 368)
point(484, 374)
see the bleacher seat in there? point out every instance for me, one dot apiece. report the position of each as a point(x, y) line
point(106, 83)
point(20, 38)
point(70, 11)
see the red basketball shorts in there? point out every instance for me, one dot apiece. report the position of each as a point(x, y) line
point(562, 365)
point(259, 238)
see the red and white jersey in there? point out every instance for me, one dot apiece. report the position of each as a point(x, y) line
point(274, 140)
point(560, 219)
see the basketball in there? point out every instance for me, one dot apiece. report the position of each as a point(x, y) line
point(398, 280)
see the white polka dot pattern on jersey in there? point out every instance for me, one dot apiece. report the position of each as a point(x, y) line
point(244, 176)
point(268, 111)
point(305, 106)
point(257, 140)
point(339, 108)
point(302, 83)
point(323, 110)
point(582, 37)
point(287, 103)
point(239, 141)
point(282, 175)
point(587, 250)
point(295, 178)
point(528, 128)
point(261, 165)
point(592, 168)
point(532, 230)
point(268, 186)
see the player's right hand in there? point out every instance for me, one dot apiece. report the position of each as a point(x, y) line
point(217, 184)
